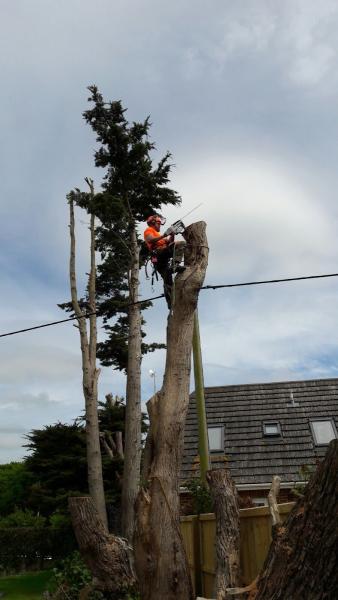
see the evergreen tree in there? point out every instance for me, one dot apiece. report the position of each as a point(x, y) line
point(132, 189)
point(57, 465)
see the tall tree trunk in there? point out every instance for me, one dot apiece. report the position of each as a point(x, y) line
point(107, 556)
point(161, 563)
point(132, 444)
point(90, 373)
point(224, 495)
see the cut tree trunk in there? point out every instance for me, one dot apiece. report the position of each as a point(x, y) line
point(107, 556)
point(160, 559)
point(302, 563)
point(272, 501)
point(224, 496)
point(132, 442)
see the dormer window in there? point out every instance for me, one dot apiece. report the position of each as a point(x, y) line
point(271, 429)
point(216, 439)
point(323, 431)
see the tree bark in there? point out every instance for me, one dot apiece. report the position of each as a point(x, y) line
point(132, 444)
point(90, 373)
point(160, 559)
point(302, 561)
point(107, 556)
point(224, 495)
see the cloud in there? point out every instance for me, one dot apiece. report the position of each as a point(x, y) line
point(263, 218)
point(10, 399)
point(300, 34)
point(244, 95)
point(37, 362)
point(10, 441)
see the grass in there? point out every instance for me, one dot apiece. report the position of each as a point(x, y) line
point(28, 586)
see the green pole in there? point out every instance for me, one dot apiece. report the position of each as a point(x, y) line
point(203, 445)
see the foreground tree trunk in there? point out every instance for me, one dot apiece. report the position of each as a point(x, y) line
point(90, 373)
point(160, 558)
point(302, 561)
point(224, 496)
point(107, 556)
point(132, 444)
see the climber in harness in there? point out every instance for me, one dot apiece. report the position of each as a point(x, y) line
point(165, 254)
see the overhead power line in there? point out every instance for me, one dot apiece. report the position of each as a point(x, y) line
point(205, 287)
point(231, 285)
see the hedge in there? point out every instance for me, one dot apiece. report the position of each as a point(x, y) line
point(24, 548)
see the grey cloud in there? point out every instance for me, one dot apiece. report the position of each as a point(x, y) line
point(14, 401)
point(244, 95)
point(10, 441)
point(37, 364)
point(11, 430)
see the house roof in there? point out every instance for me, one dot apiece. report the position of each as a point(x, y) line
point(242, 409)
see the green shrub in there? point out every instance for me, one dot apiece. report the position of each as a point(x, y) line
point(201, 495)
point(70, 577)
point(305, 472)
point(22, 518)
point(24, 548)
point(59, 519)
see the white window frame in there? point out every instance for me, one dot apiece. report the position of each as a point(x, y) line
point(321, 420)
point(221, 428)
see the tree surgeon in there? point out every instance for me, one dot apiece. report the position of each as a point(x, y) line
point(165, 253)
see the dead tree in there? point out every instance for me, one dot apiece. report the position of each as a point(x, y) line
point(224, 496)
point(302, 561)
point(90, 373)
point(160, 558)
point(107, 556)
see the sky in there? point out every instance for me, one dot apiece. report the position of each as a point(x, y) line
point(244, 96)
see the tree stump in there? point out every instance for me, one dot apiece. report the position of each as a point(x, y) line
point(224, 495)
point(107, 556)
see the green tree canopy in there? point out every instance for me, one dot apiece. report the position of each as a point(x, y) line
point(14, 481)
point(133, 188)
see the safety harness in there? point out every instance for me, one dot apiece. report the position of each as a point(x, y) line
point(152, 258)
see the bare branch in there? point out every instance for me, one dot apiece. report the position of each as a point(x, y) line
point(119, 444)
point(92, 286)
point(106, 446)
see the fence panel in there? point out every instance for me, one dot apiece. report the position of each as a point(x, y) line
point(199, 540)
point(207, 524)
point(190, 534)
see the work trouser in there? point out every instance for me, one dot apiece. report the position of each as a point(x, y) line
point(176, 252)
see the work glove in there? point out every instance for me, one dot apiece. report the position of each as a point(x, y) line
point(169, 231)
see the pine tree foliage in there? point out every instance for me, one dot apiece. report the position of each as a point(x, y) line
point(133, 188)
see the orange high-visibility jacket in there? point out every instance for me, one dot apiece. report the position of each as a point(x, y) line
point(154, 244)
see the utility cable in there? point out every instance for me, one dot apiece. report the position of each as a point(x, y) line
point(205, 287)
point(231, 285)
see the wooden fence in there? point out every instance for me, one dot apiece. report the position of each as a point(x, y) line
point(199, 539)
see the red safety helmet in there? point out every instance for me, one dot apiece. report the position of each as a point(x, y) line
point(156, 219)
